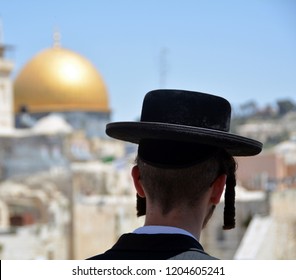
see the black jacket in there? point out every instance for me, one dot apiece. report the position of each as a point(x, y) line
point(133, 246)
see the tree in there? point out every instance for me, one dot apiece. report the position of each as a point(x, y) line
point(249, 108)
point(285, 106)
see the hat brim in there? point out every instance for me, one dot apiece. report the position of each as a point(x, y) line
point(135, 131)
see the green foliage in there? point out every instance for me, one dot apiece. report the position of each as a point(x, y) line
point(285, 106)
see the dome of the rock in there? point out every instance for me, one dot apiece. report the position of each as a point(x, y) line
point(58, 79)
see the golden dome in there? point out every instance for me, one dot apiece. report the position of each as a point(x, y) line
point(58, 79)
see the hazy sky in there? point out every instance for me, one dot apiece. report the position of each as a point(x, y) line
point(242, 50)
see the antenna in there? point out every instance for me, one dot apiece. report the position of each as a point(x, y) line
point(163, 67)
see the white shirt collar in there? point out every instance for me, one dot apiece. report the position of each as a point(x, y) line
point(162, 230)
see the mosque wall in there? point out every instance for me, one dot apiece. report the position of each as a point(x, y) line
point(24, 155)
point(91, 123)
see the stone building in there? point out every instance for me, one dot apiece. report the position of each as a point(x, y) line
point(272, 237)
point(272, 169)
point(66, 212)
point(224, 243)
point(6, 89)
point(103, 206)
point(284, 214)
point(34, 221)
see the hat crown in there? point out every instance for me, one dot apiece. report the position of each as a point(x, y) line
point(187, 108)
point(185, 116)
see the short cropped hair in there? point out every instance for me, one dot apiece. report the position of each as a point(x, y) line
point(175, 186)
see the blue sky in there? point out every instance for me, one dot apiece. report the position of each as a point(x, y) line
point(241, 50)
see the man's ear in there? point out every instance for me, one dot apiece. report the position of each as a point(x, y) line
point(137, 183)
point(218, 188)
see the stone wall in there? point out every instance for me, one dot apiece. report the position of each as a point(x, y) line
point(284, 214)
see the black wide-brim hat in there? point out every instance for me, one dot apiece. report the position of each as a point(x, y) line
point(185, 116)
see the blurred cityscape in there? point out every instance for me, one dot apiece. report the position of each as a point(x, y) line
point(65, 187)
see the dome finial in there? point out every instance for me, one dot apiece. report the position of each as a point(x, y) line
point(56, 38)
